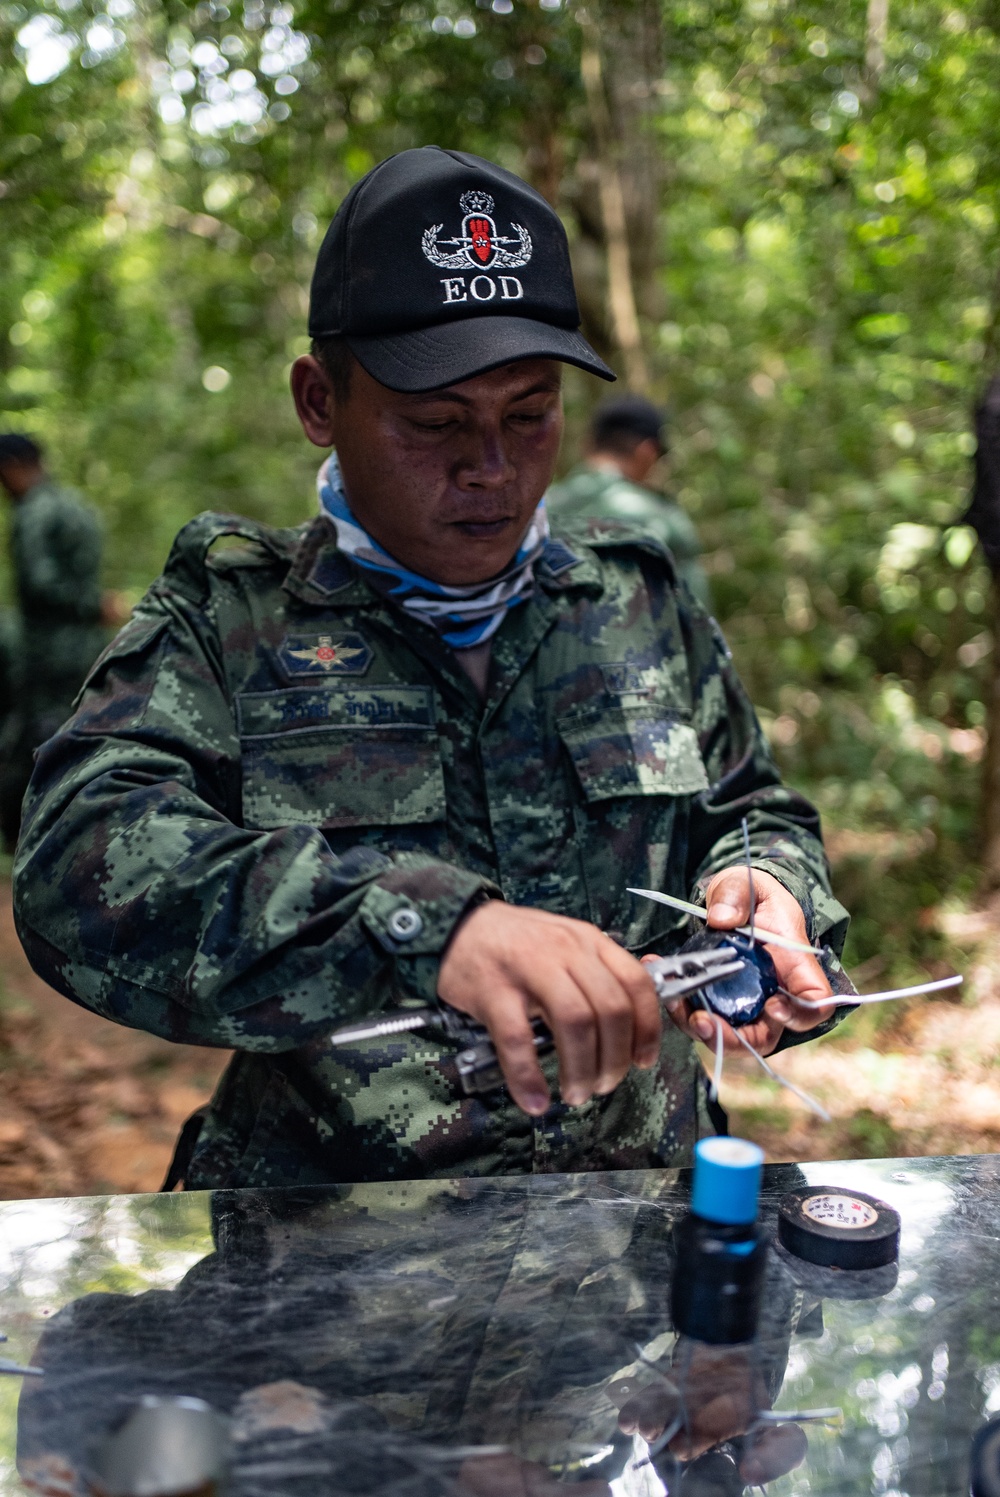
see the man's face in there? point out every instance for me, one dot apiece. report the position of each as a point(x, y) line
point(17, 478)
point(447, 481)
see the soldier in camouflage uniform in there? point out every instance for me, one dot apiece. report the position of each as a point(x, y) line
point(417, 749)
point(56, 542)
point(626, 442)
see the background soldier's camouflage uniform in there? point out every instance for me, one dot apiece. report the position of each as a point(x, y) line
point(270, 762)
point(596, 494)
point(56, 542)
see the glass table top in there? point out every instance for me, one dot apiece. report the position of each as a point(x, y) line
point(497, 1336)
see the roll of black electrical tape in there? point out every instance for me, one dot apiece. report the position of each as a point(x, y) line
point(837, 1228)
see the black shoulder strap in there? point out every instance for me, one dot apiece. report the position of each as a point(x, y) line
point(184, 1150)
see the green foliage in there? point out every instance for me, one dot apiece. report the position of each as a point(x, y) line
point(164, 255)
point(826, 244)
point(831, 254)
point(873, 1136)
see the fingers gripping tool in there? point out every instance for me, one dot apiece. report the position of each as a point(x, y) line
point(674, 977)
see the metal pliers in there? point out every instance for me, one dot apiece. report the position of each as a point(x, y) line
point(476, 1059)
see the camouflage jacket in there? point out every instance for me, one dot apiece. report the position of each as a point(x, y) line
point(271, 762)
point(56, 542)
point(597, 494)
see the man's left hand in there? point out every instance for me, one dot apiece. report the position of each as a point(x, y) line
point(728, 902)
point(723, 1393)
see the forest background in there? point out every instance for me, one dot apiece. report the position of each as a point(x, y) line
point(785, 222)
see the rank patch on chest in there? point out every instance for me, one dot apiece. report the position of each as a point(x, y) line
point(325, 655)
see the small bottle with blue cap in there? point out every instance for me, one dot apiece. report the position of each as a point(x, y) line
point(721, 1249)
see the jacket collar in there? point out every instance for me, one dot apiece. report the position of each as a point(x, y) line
point(321, 575)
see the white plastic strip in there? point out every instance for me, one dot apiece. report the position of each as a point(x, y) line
point(810, 1102)
point(800, 1416)
point(766, 937)
point(719, 1053)
point(887, 997)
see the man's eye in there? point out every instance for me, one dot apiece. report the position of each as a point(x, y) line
point(433, 425)
point(529, 416)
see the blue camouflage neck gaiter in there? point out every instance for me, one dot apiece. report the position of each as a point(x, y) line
point(463, 616)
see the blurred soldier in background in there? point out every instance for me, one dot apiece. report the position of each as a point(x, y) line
point(626, 441)
point(56, 541)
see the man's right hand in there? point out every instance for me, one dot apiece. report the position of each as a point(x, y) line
point(507, 964)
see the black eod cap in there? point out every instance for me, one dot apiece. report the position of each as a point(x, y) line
point(438, 266)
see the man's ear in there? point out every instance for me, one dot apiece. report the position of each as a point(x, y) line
point(314, 400)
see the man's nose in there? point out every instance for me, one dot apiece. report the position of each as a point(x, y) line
point(485, 463)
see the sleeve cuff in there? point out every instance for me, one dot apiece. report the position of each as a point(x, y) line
point(412, 911)
point(826, 922)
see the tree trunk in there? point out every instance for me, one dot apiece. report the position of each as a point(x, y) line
point(632, 48)
point(624, 314)
point(990, 811)
point(876, 36)
point(983, 514)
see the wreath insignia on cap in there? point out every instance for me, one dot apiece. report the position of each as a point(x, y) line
point(480, 247)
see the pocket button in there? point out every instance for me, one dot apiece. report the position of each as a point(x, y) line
point(405, 924)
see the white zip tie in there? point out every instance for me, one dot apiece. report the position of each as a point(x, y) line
point(798, 1416)
point(746, 850)
point(765, 937)
point(810, 1102)
point(719, 1052)
point(887, 997)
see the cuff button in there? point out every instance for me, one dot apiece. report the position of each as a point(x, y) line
point(405, 924)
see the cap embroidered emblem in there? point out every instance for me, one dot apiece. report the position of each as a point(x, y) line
point(480, 247)
point(348, 656)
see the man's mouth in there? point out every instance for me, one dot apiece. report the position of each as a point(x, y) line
point(483, 529)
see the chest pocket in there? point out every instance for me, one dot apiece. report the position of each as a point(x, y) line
point(626, 745)
point(330, 756)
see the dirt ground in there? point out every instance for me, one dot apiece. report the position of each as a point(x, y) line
point(87, 1107)
point(922, 1078)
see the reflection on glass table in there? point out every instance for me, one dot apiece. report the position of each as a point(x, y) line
point(507, 1336)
